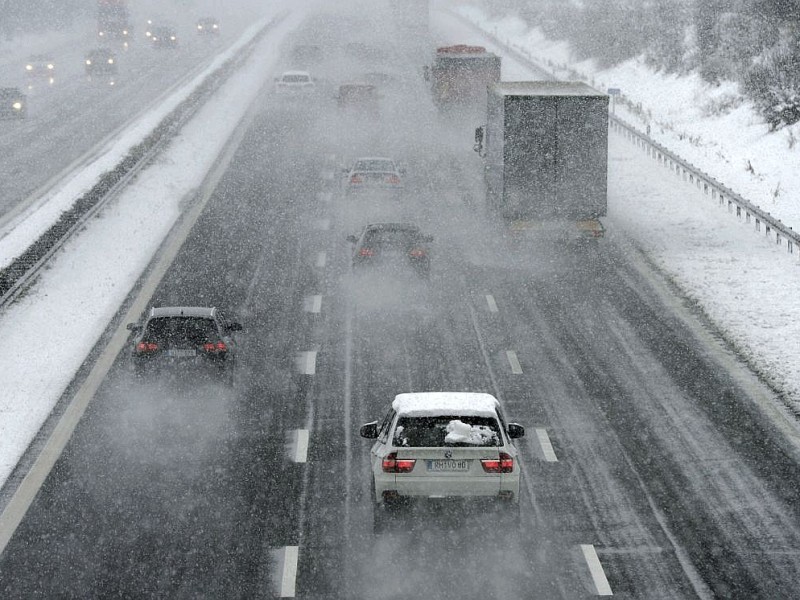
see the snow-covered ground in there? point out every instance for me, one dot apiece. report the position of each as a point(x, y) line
point(744, 283)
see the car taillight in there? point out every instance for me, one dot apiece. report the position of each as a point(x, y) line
point(393, 179)
point(355, 179)
point(218, 347)
point(392, 464)
point(145, 347)
point(366, 252)
point(503, 464)
point(417, 253)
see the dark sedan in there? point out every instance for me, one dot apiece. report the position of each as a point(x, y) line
point(392, 245)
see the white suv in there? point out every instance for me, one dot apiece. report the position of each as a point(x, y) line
point(439, 445)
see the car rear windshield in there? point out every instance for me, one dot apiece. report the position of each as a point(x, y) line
point(374, 165)
point(181, 331)
point(295, 78)
point(435, 432)
point(392, 239)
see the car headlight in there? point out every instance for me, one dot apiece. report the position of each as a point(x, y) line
point(199, 26)
point(147, 34)
point(51, 67)
point(111, 61)
point(124, 32)
point(88, 62)
point(172, 37)
point(29, 67)
point(100, 33)
point(17, 105)
point(215, 26)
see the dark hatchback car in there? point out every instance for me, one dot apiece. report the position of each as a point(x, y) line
point(186, 340)
point(392, 245)
point(13, 104)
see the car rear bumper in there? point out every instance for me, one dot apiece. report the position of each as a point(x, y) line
point(444, 487)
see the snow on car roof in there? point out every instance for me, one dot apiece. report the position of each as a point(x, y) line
point(430, 404)
point(306, 73)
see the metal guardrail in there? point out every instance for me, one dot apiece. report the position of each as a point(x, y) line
point(735, 203)
point(22, 271)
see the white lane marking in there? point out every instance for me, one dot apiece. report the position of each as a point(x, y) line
point(322, 224)
point(322, 258)
point(326, 175)
point(312, 304)
point(492, 304)
point(547, 447)
point(596, 569)
point(307, 362)
point(289, 571)
point(325, 196)
point(347, 415)
point(301, 446)
point(516, 368)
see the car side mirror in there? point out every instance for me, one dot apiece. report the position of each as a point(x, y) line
point(515, 431)
point(370, 431)
point(134, 327)
point(352, 239)
point(235, 327)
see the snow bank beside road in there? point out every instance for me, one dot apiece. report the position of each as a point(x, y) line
point(57, 323)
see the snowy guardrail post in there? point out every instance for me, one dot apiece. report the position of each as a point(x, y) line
point(613, 92)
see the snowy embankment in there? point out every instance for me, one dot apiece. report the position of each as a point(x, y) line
point(745, 284)
point(56, 324)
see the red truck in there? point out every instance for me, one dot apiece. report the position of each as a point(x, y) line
point(460, 75)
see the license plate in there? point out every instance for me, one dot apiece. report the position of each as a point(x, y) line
point(181, 353)
point(448, 465)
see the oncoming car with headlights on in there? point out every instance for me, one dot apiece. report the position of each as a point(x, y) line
point(40, 68)
point(101, 63)
point(446, 448)
point(13, 104)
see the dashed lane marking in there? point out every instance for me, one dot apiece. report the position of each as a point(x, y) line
point(322, 257)
point(289, 571)
point(301, 446)
point(492, 304)
point(596, 570)
point(547, 447)
point(516, 368)
point(307, 362)
point(312, 304)
point(325, 196)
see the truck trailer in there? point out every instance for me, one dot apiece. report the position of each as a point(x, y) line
point(460, 74)
point(545, 150)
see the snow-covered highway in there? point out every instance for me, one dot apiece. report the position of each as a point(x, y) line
point(656, 464)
